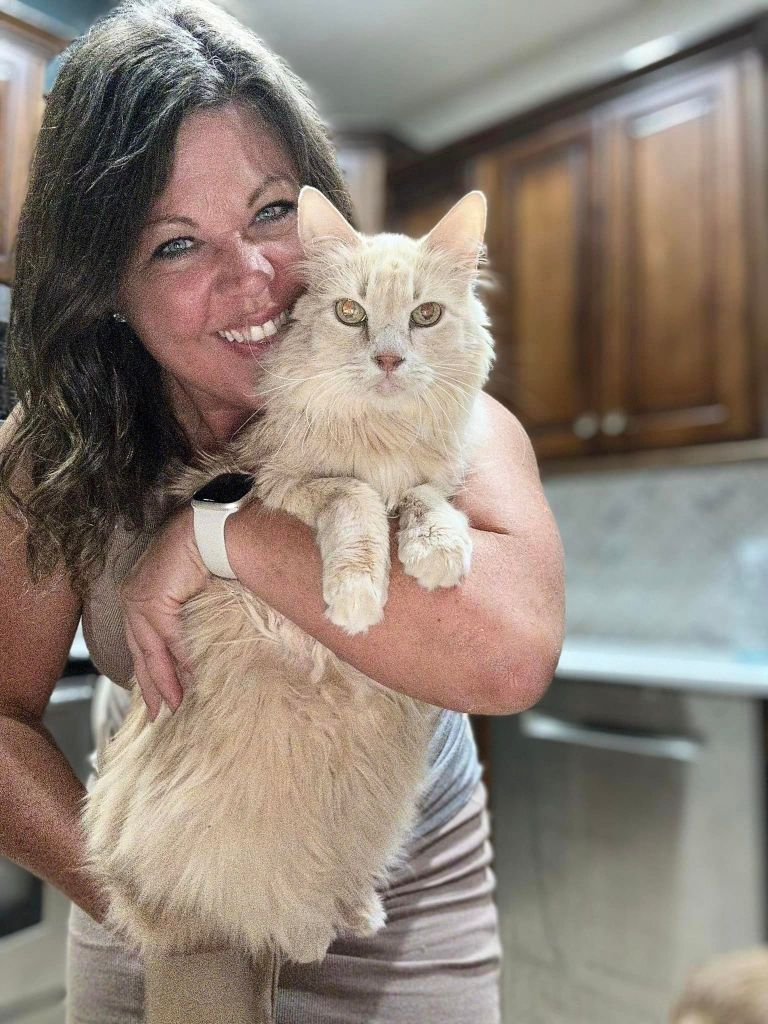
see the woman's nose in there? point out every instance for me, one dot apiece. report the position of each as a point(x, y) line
point(244, 260)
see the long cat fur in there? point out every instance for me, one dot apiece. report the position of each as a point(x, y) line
point(275, 802)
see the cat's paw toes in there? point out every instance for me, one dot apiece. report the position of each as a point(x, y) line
point(355, 602)
point(364, 918)
point(439, 558)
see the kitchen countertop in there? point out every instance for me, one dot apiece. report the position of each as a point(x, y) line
point(704, 669)
point(608, 660)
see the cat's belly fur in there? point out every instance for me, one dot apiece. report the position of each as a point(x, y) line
point(271, 803)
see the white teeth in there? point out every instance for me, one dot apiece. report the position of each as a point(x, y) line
point(257, 333)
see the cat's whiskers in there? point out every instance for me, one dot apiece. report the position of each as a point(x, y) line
point(448, 417)
point(293, 382)
point(436, 431)
point(444, 383)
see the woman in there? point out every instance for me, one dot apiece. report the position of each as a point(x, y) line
point(162, 210)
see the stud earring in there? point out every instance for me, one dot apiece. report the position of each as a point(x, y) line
point(120, 318)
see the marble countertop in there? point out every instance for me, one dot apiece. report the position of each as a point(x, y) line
point(713, 670)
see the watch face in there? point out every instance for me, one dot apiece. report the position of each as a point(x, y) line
point(226, 488)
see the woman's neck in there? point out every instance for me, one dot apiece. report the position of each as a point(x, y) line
point(208, 428)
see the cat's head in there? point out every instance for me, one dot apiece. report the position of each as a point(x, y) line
point(386, 320)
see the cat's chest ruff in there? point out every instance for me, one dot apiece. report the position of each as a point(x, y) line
point(392, 467)
point(391, 463)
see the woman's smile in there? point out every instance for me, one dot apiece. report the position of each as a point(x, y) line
point(253, 345)
point(215, 274)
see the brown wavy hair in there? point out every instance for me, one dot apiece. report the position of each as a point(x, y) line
point(96, 427)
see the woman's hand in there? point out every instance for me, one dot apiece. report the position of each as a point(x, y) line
point(151, 596)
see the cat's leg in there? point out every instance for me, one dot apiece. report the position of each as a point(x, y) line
point(434, 543)
point(352, 528)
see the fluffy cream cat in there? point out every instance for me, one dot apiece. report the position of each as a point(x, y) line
point(267, 810)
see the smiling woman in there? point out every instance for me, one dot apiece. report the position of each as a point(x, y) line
point(204, 301)
point(163, 188)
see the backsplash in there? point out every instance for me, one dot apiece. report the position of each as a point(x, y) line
point(674, 555)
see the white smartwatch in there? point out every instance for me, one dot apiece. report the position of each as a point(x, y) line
point(212, 504)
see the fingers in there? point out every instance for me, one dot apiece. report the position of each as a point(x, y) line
point(153, 668)
point(150, 693)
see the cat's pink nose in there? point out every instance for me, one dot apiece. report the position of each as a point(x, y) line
point(388, 361)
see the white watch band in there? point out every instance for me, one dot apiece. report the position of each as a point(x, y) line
point(209, 535)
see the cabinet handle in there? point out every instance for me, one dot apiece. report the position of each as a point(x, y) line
point(586, 425)
point(614, 422)
point(536, 726)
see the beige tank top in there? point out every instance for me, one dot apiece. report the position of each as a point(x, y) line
point(102, 618)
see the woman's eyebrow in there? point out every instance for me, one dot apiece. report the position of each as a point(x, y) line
point(270, 179)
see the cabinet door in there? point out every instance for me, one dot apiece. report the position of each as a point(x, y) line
point(628, 829)
point(675, 365)
point(540, 239)
point(24, 53)
point(418, 219)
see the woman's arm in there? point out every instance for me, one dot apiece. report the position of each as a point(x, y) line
point(488, 646)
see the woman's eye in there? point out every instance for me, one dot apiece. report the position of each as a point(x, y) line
point(166, 252)
point(350, 312)
point(177, 247)
point(284, 208)
point(427, 314)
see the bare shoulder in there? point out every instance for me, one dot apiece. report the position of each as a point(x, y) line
point(502, 489)
point(507, 434)
point(38, 623)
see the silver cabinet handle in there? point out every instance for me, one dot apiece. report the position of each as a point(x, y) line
point(586, 425)
point(536, 726)
point(614, 422)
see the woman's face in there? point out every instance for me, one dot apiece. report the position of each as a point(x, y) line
point(216, 253)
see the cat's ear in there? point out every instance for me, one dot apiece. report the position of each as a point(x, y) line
point(319, 218)
point(461, 230)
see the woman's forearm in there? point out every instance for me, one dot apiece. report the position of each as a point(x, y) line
point(40, 802)
point(442, 646)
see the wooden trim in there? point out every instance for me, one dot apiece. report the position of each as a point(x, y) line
point(755, 129)
point(717, 453)
point(50, 35)
point(406, 179)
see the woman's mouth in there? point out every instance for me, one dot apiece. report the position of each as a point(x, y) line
point(257, 337)
point(257, 332)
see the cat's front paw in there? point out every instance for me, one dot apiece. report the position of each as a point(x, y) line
point(437, 557)
point(355, 601)
point(364, 918)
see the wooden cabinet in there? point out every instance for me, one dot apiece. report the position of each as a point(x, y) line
point(621, 241)
point(676, 359)
point(628, 239)
point(25, 51)
point(628, 833)
point(541, 194)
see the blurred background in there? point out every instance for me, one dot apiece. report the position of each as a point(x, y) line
point(621, 145)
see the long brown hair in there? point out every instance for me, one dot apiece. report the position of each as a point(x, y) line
point(96, 427)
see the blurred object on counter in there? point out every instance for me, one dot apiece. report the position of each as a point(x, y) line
point(731, 989)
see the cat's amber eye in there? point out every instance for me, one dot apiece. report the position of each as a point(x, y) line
point(350, 312)
point(426, 314)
